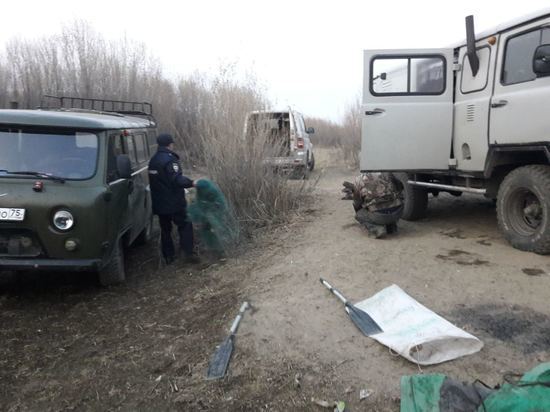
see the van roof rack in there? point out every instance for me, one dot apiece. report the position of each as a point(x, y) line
point(107, 106)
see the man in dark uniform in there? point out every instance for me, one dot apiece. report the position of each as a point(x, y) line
point(168, 186)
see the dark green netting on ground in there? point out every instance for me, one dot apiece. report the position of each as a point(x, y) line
point(438, 393)
point(213, 219)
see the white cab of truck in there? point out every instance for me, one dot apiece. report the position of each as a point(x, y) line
point(474, 118)
point(287, 132)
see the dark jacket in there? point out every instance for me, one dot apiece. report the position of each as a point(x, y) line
point(167, 182)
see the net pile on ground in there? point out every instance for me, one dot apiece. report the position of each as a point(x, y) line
point(213, 219)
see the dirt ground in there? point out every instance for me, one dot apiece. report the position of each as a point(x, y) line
point(67, 344)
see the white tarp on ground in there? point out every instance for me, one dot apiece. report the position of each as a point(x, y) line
point(414, 331)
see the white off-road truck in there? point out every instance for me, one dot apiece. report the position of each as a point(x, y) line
point(471, 118)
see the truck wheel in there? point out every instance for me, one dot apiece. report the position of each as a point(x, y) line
point(146, 234)
point(415, 199)
point(523, 208)
point(113, 273)
point(311, 164)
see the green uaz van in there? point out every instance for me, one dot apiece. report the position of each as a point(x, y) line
point(74, 188)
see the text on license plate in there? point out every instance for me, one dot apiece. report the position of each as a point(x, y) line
point(12, 214)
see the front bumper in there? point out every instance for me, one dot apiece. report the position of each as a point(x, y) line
point(50, 264)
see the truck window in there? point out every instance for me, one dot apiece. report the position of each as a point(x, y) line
point(115, 148)
point(299, 121)
point(469, 83)
point(151, 140)
point(130, 150)
point(141, 149)
point(407, 75)
point(518, 56)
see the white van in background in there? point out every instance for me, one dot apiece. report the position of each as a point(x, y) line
point(287, 131)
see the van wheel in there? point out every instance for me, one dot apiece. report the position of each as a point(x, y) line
point(523, 208)
point(146, 234)
point(311, 164)
point(415, 199)
point(113, 273)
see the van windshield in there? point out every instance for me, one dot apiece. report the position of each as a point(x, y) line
point(67, 155)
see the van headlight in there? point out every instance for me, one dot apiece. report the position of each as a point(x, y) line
point(63, 220)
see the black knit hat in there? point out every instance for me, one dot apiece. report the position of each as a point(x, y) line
point(164, 139)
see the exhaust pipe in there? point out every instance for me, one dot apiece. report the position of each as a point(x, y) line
point(471, 45)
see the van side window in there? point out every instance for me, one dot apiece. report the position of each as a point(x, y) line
point(130, 150)
point(141, 148)
point(407, 75)
point(299, 121)
point(470, 83)
point(151, 140)
point(518, 56)
point(115, 148)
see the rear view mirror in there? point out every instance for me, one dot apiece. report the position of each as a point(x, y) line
point(310, 130)
point(123, 166)
point(541, 60)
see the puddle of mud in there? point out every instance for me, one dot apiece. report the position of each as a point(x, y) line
point(519, 326)
point(453, 233)
point(461, 257)
point(533, 271)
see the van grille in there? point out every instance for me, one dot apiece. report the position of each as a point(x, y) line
point(19, 243)
point(470, 112)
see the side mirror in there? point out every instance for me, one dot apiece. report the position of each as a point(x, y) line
point(383, 76)
point(123, 166)
point(310, 130)
point(541, 60)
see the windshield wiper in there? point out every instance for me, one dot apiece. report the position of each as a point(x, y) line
point(41, 175)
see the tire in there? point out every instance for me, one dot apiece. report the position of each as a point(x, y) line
point(311, 164)
point(301, 172)
point(113, 273)
point(523, 208)
point(146, 234)
point(415, 199)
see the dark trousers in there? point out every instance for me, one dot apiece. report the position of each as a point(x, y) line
point(185, 231)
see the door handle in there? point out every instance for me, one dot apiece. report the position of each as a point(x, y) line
point(373, 112)
point(499, 103)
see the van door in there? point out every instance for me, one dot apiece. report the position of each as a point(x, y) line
point(119, 189)
point(407, 111)
point(519, 107)
point(136, 149)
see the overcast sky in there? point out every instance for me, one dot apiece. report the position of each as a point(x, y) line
point(308, 54)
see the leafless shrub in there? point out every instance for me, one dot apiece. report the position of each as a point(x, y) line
point(345, 135)
point(351, 140)
point(259, 195)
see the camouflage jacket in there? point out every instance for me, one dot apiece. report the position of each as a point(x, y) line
point(376, 191)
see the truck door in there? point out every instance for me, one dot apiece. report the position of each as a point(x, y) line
point(519, 106)
point(407, 111)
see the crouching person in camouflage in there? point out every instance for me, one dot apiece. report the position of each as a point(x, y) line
point(378, 203)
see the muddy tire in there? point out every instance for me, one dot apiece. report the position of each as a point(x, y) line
point(311, 163)
point(146, 234)
point(113, 273)
point(415, 199)
point(523, 208)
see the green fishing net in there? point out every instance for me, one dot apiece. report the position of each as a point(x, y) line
point(212, 217)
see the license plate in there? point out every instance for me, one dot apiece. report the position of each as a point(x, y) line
point(12, 214)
